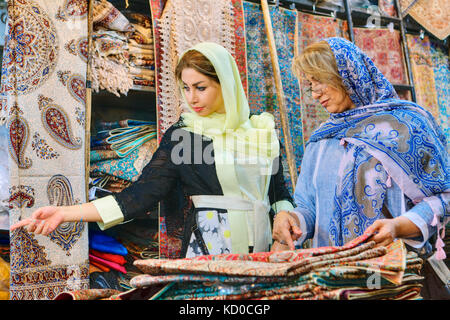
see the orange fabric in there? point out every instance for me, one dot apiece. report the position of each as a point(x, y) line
point(101, 267)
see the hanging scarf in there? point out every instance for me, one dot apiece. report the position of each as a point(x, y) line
point(256, 136)
point(384, 138)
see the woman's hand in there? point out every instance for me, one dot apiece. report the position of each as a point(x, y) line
point(387, 230)
point(42, 221)
point(286, 229)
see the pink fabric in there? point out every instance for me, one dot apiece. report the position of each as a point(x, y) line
point(107, 263)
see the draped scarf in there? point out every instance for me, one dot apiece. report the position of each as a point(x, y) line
point(385, 139)
point(255, 135)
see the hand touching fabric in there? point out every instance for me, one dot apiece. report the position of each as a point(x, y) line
point(286, 229)
point(387, 230)
point(46, 219)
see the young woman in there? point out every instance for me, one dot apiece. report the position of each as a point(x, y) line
point(377, 165)
point(226, 161)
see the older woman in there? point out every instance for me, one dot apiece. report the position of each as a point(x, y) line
point(377, 165)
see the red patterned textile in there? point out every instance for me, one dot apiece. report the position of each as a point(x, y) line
point(384, 48)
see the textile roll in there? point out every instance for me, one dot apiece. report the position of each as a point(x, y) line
point(423, 73)
point(313, 28)
point(384, 48)
point(43, 92)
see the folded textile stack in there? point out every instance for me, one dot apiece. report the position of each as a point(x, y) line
point(106, 252)
point(141, 51)
point(119, 152)
point(4, 245)
point(4, 279)
point(357, 270)
point(123, 51)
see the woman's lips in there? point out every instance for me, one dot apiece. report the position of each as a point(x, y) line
point(197, 109)
point(324, 103)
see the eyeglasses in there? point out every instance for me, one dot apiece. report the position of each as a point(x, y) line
point(319, 88)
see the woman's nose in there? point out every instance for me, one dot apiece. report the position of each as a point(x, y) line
point(191, 97)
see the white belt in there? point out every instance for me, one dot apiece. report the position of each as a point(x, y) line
point(262, 231)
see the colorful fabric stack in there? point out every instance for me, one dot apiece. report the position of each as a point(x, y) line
point(123, 50)
point(4, 279)
point(313, 28)
point(423, 73)
point(106, 252)
point(262, 92)
point(355, 271)
point(142, 58)
point(441, 69)
point(119, 152)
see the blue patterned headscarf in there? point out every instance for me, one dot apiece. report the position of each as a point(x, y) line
point(384, 138)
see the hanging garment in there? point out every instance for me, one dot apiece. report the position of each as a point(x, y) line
point(441, 68)
point(43, 83)
point(423, 73)
point(433, 15)
point(313, 28)
point(262, 90)
point(384, 48)
point(183, 24)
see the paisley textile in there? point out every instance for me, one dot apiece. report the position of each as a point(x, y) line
point(377, 137)
point(44, 111)
point(423, 73)
point(313, 28)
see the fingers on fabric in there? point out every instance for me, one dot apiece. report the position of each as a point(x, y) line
point(40, 226)
point(20, 224)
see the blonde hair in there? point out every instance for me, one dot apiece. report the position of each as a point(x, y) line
point(318, 61)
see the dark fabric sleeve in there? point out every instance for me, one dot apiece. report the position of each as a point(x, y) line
point(157, 179)
point(277, 188)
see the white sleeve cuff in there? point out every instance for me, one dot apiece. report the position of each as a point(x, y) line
point(282, 205)
point(109, 211)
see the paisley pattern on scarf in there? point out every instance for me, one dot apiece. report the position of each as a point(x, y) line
point(31, 48)
point(21, 196)
point(59, 191)
point(405, 140)
point(57, 123)
point(19, 135)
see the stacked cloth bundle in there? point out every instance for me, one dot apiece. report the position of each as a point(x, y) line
point(4, 265)
point(119, 152)
point(123, 56)
point(106, 252)
point(358, 270)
